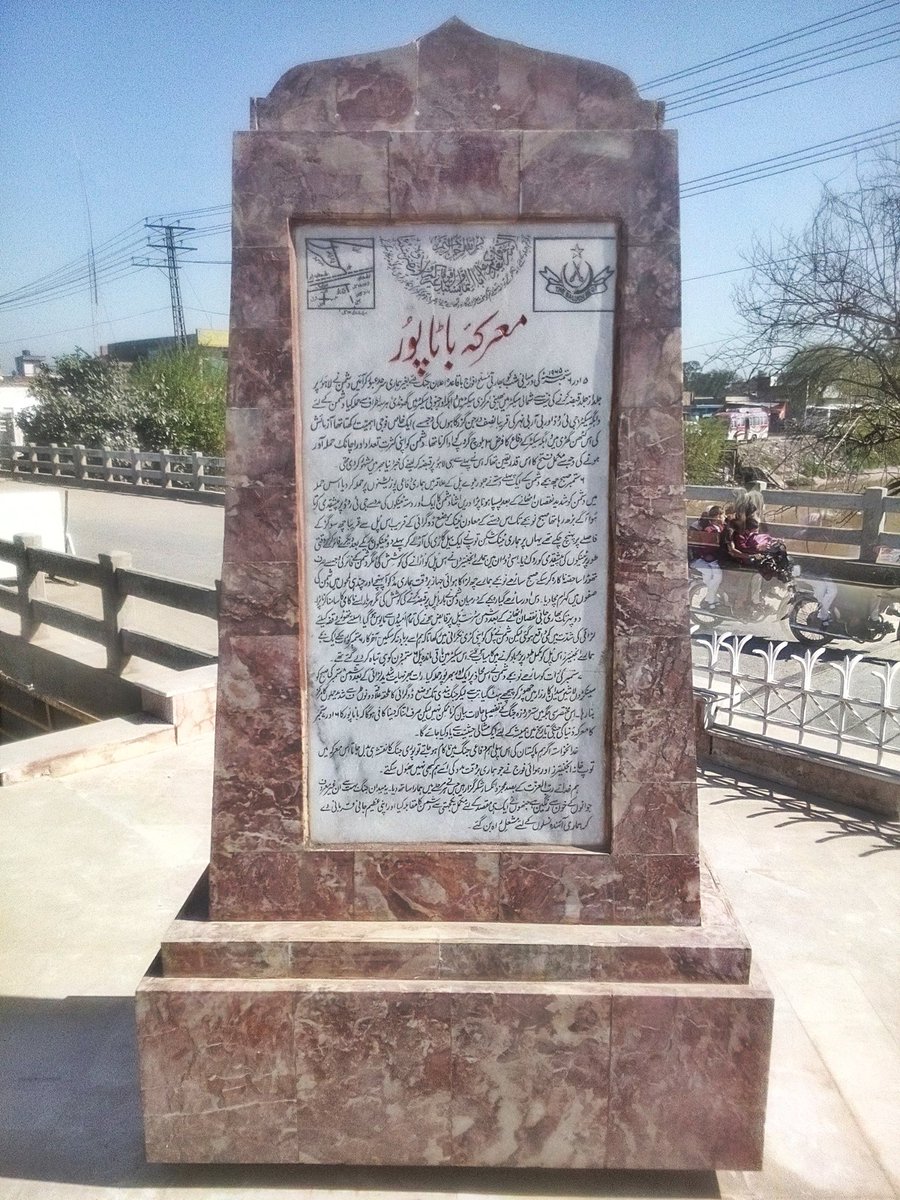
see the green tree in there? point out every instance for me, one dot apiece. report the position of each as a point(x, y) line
point(713, 383)
point(81, 399)
point(826, 304)
point(704, 447)
point(180, 402)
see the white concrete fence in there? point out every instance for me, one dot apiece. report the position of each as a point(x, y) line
point(853, 519)
point(118, 585)
point(153, 472)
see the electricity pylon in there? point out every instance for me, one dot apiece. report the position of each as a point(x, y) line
point(172, 246)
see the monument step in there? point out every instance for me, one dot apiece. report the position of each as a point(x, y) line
point(714, 951)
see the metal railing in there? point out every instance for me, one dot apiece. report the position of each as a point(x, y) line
point(119, 585)
point(848, 706)
point(154, 471)
point(869, 508)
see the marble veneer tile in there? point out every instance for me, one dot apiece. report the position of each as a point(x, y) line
point(458, 84)
point(285, 885)
point(607, 99)
point(688, 1081)
point(364, 91)
point(650, 526)
point(651, 597)
point(261, 524)
point(652, 294)
point(658, 816)
point(650, 373)
point(422, 886)
point(651, 447)
point(379, 1065)
point(567, 888)
point(260, 598)
point(261, 369)
point(279, 177)
point(523, 1096)
point(260, 447)
point(630, 176)
point(658, 889)
point(261, 285)
point(217, 1076)
point(448, 176)
point(536, 90)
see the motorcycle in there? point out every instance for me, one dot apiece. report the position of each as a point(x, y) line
point(744, 596)
point(855, 620)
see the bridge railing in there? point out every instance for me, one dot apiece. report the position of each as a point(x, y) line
point(118, 584)
point(835, 519)
point(847, 705)
point(201, 476)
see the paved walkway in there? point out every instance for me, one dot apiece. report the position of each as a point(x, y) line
point(95, 866)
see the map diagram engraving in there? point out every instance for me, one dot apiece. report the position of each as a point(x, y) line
point(340, 273)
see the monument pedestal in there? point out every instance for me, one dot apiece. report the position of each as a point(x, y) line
point(409, 1043)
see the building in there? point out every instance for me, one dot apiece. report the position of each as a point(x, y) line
point(212, 341)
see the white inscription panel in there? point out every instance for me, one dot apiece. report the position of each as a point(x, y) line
point(456, 395)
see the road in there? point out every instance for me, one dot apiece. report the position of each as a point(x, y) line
point(175, 538)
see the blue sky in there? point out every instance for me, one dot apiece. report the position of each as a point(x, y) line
point(141, 99)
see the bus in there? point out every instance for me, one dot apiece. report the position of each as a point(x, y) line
point(745, 424)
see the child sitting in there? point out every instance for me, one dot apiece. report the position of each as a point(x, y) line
point(703, 549)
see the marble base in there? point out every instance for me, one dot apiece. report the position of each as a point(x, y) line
point(447, 1044)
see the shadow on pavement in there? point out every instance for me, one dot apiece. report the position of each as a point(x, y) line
point(72, 1115)
point(797, 808)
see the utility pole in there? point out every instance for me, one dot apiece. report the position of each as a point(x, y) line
point(172, 245)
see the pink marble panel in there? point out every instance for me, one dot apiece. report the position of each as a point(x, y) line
point(651, 447)
point(524, 1096)
point(651, 597)
point(281, 885)
point(652, 292)
point(570, 889)
point(280, 176)
point(458, 84)
point(538, 961)
point(423, 886)
point(688, 1081)
point(260, 598)
point(261, 286)
point(650, 371)
point(260, 369)
point(650, 525)
point(260, 447)
point(677, 964)
point(655, 816)
point(630, 176)
point(261, 524)
point(658, 889)
point(365, 91)
point(232, 959)
point(217, 1076)
point(373, 1077)
point(607, 99)
point(536, 90)
point(365, 960)
point(449, 176)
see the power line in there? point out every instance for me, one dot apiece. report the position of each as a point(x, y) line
point(856, 14)
point(777, 68)
point(172, 245)
point(786, 87)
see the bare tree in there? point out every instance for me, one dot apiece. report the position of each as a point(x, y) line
point(825, 305)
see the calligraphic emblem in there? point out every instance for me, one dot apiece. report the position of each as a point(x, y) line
point(572, 274)
point(456, 270)
point(340, 273)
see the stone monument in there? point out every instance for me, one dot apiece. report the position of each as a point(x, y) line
point(456, 912)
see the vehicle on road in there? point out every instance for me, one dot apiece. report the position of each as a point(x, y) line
point(861, 618)
point(745, 424)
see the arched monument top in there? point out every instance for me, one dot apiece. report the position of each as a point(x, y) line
point(454, 77)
